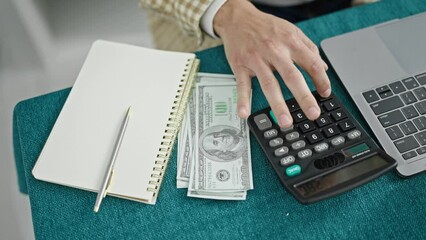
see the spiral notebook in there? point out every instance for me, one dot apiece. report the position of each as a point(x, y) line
point(115, 76)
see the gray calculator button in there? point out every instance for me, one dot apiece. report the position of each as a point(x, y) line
point(292, 136)
point(270, 133)
point(337, 141)
point(276, 142)
point(304, 153)
point(287, 129)
point(321, 147)
point(354, 134)
point(298, 145)
point(285, 161)
point(281, 151)
point(262, 121)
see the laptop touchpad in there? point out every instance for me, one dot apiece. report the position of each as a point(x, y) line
point(406, 40)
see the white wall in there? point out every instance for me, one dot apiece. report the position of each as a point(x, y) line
point(42, 46)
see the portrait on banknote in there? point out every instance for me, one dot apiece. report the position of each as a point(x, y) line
point(223, 143)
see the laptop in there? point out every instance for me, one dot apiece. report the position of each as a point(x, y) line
point(383, 68)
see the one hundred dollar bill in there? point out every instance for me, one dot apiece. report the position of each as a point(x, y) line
point(222, 160)
point(187, 133)
point(236, 195)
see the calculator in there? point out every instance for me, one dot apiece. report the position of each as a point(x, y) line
point(319, 159)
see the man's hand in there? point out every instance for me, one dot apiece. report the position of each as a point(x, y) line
point(256, 44)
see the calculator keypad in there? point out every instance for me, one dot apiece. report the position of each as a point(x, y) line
point(306, 139)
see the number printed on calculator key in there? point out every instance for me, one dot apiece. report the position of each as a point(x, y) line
point(323, 121)
point(331, 131)
point(321, 147)
point(314, 137)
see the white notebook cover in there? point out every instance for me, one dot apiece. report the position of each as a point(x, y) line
point(113, 77)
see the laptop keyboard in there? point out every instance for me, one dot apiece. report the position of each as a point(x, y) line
point(401, 107)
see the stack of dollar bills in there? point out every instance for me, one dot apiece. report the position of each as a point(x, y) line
point(214, 158)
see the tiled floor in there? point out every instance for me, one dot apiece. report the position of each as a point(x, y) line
point(21, 79)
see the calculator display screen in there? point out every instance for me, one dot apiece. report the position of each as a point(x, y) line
point(340, 176)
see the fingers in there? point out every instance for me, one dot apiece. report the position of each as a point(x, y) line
point(314, 65)
point(244, 92)
point(273, 94)
point(308, 42)
point(294, 80)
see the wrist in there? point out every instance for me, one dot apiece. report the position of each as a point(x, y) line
point(229, 12)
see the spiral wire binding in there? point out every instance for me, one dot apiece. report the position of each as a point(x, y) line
point(173, 125)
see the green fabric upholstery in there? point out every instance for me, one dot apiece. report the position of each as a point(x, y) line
point(387, 208)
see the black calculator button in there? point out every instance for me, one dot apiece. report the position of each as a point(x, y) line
point(276, 142)
point(394, 132)
point(314, 137)
point(410, 83)
point(292, 136)
point(370, 96)
point(321, 147)
point(270, 133)
point(354, 134)
point(337, 141)
point(262, 121)
point(298, 145)
point(284, 130)
point(406, 144)
point(279, 152)
point(409, 155)
point(323, 120)
point(293, 106)
point(306, 126)
point(285, 161)
point(338, 115)
point(330, 105)
point(304, 153)
point(346, 125)
point(298, 116)
point(330, 131)
point(397, 87)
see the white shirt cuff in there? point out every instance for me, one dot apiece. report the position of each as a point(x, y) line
point(206, 21)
